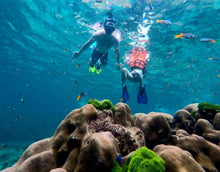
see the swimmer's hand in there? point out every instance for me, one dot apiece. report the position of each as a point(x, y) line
point(76, 54)
point(119, 66)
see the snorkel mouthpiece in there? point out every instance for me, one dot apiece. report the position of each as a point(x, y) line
point(109, 25)
point(109, 28)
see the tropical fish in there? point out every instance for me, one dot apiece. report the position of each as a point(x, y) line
point(207, 40)
point(146, 41)
point(186, 35)
point(78, 16)
point(189, 66)
point(81, 95)
point(99, 1)
point(160, 131)
point(17, 118)
point(213, 58)
point(3, 147)
point(125, 148)
point(168, 22)
point(119, 158)
point(22, 101)
point(78, 65)
point(75, 83)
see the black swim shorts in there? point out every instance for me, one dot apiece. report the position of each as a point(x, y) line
point(97, 55)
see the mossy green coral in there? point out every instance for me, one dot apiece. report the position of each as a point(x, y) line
point(116, 167)
point(208, 106)
point(101, 105)
point(192, 114)
point(95, 103)
point(143, 160)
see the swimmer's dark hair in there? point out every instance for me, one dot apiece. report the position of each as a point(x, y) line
point(109, 14)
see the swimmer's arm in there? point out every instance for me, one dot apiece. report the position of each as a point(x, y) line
point(87, 44)
point(147, 59)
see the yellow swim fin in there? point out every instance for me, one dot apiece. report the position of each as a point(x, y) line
point(98, 71)
point(92, 69)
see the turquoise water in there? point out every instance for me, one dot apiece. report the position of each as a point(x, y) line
point(38, 38)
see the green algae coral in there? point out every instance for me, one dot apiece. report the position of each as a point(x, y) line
point(116, 167)
point(95, 103)
point(101, 105)
point(192, 114)
point(208, 106)
point(142, 160)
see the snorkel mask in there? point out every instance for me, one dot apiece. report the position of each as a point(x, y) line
point(109, 25)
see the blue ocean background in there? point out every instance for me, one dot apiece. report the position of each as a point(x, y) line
point(39, 82)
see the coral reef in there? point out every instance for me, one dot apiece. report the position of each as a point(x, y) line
point(177, 159)
point(142, 159)
point(130, 137)
point(155, 127)
point(101, 105)
point(204, 152)
point(207, 111)
point(102, 137)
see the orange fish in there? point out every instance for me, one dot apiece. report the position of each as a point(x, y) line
point(81, 95)
point(78, 65)
point(145, 41)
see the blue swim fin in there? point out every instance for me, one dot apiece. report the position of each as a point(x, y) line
point(142, 96)
point(125, 95)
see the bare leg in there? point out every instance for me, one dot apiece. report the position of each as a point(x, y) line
point(141, 81)
point(126, 75)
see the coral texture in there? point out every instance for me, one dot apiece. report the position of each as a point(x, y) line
point(101, 137)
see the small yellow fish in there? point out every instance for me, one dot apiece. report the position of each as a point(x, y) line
point(81, 95)
point(17, 118)
point(78, 65)
point(213, 58)
point(125, 148)
point(160, 131)
point(75, 83)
